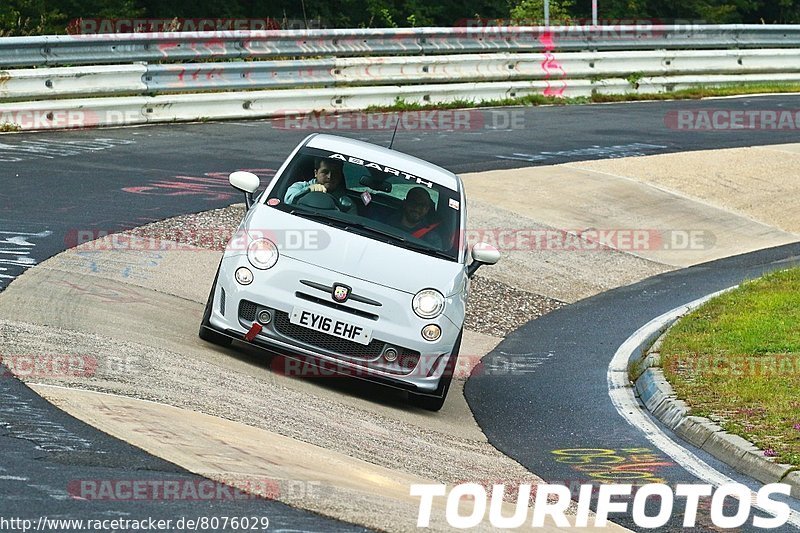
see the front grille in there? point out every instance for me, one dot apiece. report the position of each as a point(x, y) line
point(325, 341)
point(406, 361)
point(247, 310)
point(222, 301)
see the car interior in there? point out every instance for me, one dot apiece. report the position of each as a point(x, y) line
point(384, 199)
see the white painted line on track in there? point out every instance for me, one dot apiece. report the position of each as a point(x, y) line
point(55, 493)
point(13, 478)
point(624, 400)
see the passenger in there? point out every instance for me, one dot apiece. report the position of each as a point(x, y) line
point(328, 178)
point(415, 217)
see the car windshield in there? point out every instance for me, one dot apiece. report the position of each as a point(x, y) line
point(372, 200)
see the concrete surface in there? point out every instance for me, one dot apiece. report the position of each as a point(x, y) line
point(566, 275)
point(759, 183)
point(300, 474)
point(574, 198)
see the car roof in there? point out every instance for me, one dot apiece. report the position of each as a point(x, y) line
point(384, 156)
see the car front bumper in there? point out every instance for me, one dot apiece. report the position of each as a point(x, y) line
point(279, 290)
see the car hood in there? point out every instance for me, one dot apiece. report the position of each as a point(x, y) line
point(354, 255)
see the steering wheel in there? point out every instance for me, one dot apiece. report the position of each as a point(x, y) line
point(324, 201)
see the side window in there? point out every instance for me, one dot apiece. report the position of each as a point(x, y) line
point(300, 169)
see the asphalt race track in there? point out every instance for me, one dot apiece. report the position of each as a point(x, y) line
point(515, 395)
point(50, 461)
point(57, 185)
point(113, 179)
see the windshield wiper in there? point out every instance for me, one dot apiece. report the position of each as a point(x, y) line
point(376, 231)
point(393, 239)
point(405, 243)
point(346, 224)
point(315, 215)
point(428, 251)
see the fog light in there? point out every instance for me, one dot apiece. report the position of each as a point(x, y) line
point(390, 354)
point(431, 332)
point(264, 316)
point(244, 276)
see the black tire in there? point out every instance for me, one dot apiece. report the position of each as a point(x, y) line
point(435, 402)
point(429, 403)
point(206, 333)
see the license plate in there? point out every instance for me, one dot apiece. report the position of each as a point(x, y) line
point(331, 326)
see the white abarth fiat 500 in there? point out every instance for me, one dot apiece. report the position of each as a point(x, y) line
point(353, 260)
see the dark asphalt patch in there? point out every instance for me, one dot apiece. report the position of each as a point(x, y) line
point(559, 421)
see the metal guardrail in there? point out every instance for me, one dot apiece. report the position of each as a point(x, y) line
point(226, 45)
point(117, 111)
point(251, 74)
point(240, 75)
point(64, 82)
point(140, 79)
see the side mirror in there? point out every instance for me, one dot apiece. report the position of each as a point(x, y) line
point(247, 182)
point(482, 254)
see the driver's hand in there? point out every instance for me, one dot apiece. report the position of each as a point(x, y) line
point(317, 187)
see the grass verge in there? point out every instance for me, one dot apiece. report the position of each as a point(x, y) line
point(694, 93)
point(736, 360)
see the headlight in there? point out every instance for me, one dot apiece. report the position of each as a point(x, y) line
point(262, 254)
point(428, 303)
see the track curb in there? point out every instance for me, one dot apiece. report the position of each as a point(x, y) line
point(658, 397)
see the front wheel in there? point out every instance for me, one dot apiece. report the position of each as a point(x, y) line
point(435, 403)
point(206, 333)
point(429, 403)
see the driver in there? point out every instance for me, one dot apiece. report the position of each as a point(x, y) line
point(328, 178)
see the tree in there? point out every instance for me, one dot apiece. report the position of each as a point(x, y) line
point(29, 17)
point(530, 12)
